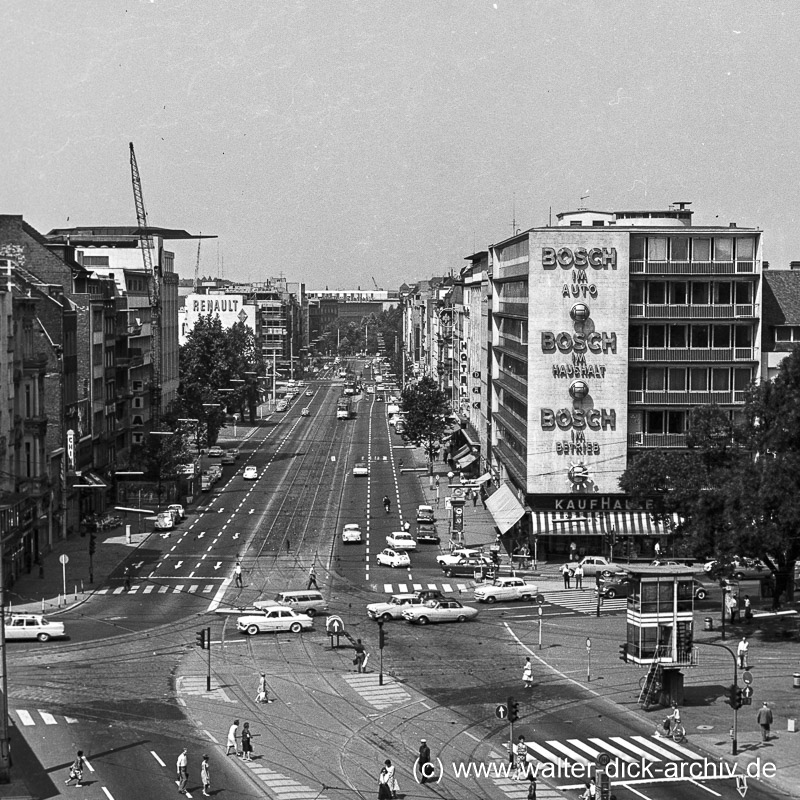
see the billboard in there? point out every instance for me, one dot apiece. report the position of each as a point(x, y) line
point(230, 308)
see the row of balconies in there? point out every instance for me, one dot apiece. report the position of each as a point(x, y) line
point(518, 309)
point(666, 440)
point(642, 267)
point(692, 354)
point(687, 311)
point(685, 398)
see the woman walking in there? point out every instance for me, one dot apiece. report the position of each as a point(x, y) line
point(76, 769)
point(247, 744)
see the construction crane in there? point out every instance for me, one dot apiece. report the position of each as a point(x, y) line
point(197, 266)
point(153, 291)
point(375, 282)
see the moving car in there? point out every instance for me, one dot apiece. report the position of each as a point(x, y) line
point(250, 474)
point(467, 567)
point(228, 458)
point(361, 468)
point(425, 514)
point(426, 533)
point(394, 607)
point(305, 601)
point(458, 554)
point(306, 412)
point(439, 611)
point(32, 626)
point(352, 533)
point(594, 564)
point(401, 540)
point(215, 452)
point(274, 619)
point(309, 393)
point(282, 406)
point(501, 589)
point(234, 451)
point(621, 586)
point(393, 558)
point(740, 568)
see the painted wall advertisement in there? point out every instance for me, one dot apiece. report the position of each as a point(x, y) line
point(578, 361)
point(230, 308)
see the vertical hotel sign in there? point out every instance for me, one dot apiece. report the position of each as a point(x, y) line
point(578, 361)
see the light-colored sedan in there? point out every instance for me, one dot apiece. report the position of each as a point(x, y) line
point(250, 474)
point(401, 540)
point(178, 512)
point(393, 558)
point(306, 412)
point(274, 619)
point(439, 611)
point(33, 626)
point(361, 468)
point(502, 589)
point(457, 555)
point(394, 607)
point(352, 533)
point(309, 393)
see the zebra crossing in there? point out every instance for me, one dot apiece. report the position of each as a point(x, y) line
point(445, 588)
point(583, 601)
point(152, 588)
point(281, 786)
point(30, 718)
point(366, 685)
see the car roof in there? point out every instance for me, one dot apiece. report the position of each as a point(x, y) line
point(352, 526)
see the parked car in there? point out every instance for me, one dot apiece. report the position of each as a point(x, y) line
point(282, 406)
point(593, 564)
point(215, 452)
point(501, 589)
point(739, 567)
point(361, 468)
point(352, 533)
point(426, 533)
point(32, 626)
point(467, 567)
point(425, 514)
point(250, 474)
point(228, 459)
point(234, 451)
point(400, 540)
point(393, 558)
point(621, 586)
point(164, 521)
point(178, 512)
point(392, 608)
point(274, 619)
point(439, 611)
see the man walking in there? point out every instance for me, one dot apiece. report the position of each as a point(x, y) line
point(361, 655)
point(183, 772)
point(741, 652)
point(312, 578)
point(423, 760)
point(237, 570)
point(233, 735)
point(127, 576)
point(764, 719)
point(205, 776)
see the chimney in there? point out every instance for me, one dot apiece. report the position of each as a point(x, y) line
point(765, 265)
point(732, 225)
point(794, 265)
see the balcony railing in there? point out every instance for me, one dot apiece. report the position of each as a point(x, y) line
point(667, 311)
point(518, 426)
point(664, 440)
point(512, 346)
point(692, 354)
point(639, 267)
point(685, 398)
point(517, 387)
point(511, 461)
point(513, 309)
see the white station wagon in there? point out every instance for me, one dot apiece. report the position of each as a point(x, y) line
point(502, 589)
point(274, 619)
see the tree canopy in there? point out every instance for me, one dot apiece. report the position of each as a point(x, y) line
point(426, 409)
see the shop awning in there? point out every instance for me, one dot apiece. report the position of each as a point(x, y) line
point(463, 463)
point(469, 440)
point(89, 477)
point(487, 476)
point(460, 453)
point(449, 431)
point(505, 509)
point(576, 523)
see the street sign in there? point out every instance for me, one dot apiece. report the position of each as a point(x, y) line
point(501, 711)
point(747, 678)
point(588, 644)
point(334, 625)
point(63, 558)
point(747, 695)
point(540, 610)
point(603, 759)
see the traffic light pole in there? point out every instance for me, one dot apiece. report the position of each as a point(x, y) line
point(208, 645)
point(735, 693)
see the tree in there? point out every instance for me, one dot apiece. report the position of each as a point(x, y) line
point(426, 409)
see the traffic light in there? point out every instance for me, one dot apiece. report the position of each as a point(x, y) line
point(603, 785)
point(623, 652)
point(513, 710)
point(739, 697)
point(735, 696)
point(200, 637)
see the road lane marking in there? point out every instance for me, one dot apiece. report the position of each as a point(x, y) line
point(25, 717)
point(47, 718)
point(155, 756)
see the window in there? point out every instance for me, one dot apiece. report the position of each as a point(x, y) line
point(723, 248)
point(656, 248)
point(598, 223)
point(720, 379)
point(700, 293)
point(654, 422)
point(28, 401)
point(676, 421)
point(636, 378)
point(701, 250)
point(637, 292)
point(741, 379)
point(743, 336)
point(698, 379)
point(722, 293)
point(656, 379)
point(656, 336)
point(744, 249)
point(678, 336)
point(677, 379)
point(680, 248)
point(637, 248)
point(699, 335)
point(657, 293)
point(637, 336)
point(679, 293)
point(722, 335)
point(743, 292)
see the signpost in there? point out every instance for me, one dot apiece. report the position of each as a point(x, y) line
point(501, 711)
point(64, 559)
point(588, 659)
point(334, 626)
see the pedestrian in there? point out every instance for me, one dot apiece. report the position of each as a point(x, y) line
point(76, 770)
point(521, 757)
point(436, 482)
point(182, 768)
point(483, 497)
point(237, 570)
point(532, 784)
point(406, 526)
point(578, 573)
point(657, 550)
point(741, 652)
point(391, 777)
point(573, 551)
point(732, 604)
point(527, 673)
point(127, 576)
point(247, 743)
point(437, 494)
point(764, 719)
point(423, 760)
point(233, 735)
point(205, 776)
point(288, 545)
point(262, 695)
point(566, 572)
point(748, 609)
point(312, 578)
point(361, 655)
point(384, 790)
point(590, 792)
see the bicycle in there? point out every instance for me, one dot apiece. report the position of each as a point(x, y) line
point(676, 732)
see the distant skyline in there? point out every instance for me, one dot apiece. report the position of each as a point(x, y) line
point(337, 142)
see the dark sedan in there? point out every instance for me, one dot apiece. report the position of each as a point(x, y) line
point(621, 587)
point(467, 567)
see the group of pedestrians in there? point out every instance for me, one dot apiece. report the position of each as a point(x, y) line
point(570, 570)
point(182, 768)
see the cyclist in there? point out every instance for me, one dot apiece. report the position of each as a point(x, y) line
point(387, 503)
point(673, 720)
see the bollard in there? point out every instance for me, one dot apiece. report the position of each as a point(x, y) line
point(796, 680)
point(708, 624)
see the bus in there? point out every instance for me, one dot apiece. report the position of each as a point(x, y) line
point(344, 408)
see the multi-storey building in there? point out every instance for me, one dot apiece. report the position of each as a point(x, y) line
point(608, 328)
point(780, 316)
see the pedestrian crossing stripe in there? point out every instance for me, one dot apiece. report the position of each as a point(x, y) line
point(447, 588)
point(27, 719)
point(367, 686)
point(518, 790)
point(282, 786)
point(578, 600)
point(149, 588)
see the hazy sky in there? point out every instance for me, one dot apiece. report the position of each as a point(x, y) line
point(340, 140)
